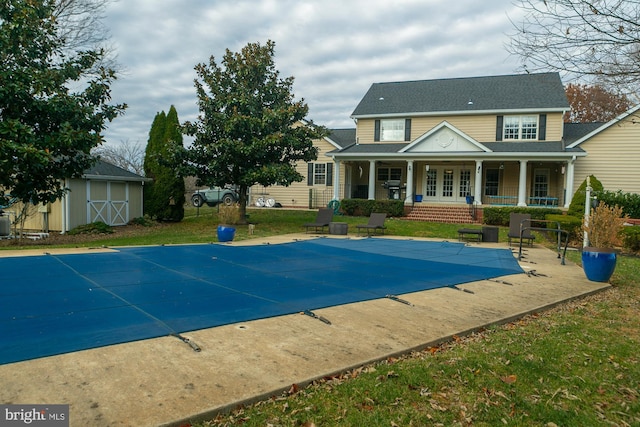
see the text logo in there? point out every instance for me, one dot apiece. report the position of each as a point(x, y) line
point(34, 415)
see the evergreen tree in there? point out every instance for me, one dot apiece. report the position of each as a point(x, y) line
point(53, 107)
point(164, 197)
point(249, 130)
point(576, 208)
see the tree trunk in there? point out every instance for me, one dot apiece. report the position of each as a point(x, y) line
point(242, 202)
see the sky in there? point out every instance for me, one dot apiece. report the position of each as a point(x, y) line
point(334, 49)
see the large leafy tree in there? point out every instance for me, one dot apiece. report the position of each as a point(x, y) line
point(164, 197)
point(250, 129)
point(593, 104)
point(53, 107)
point(593, 40)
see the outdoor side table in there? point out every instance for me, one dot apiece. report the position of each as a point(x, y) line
point(338, 228)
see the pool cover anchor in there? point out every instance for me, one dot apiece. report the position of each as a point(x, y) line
point(186, 340)
point(534, 273)
point(502, 282)
point(315, 316)
point(462, 289)
point(400, 300)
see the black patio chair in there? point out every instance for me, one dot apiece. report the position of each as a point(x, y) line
point(324, 217)
point(375, 224)
point(516, 223)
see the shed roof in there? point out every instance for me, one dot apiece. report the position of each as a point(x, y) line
point(521, 92)
point(108, 171)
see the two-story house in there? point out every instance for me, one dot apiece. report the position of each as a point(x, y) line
point(497, 140)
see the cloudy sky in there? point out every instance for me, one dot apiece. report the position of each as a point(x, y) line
point(335, 49)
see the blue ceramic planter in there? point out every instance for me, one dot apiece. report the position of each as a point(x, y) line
point(226, 234)
point(598, 263)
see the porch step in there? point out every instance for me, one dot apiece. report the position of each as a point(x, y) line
point(449, 214)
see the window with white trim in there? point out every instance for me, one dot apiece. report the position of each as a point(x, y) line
point(319, 174)
point(520, 127)
point(541, 182)
point(386, 174)
point(392, 130)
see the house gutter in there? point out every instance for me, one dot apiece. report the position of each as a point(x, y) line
point(116, 178)
point(66, 207)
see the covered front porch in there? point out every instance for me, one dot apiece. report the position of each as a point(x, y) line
point(491, 182)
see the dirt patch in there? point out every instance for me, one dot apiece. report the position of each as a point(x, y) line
point(57, 239)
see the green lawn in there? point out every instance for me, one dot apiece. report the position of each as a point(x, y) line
point(574, 365)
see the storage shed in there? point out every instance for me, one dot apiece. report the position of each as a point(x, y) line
point(104, 192)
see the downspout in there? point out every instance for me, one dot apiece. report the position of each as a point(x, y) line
point(65, 207)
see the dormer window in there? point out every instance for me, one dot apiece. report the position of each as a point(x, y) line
point(392, 130)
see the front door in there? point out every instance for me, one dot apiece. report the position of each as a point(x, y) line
point(448, 184)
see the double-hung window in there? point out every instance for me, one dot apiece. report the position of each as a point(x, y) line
point(320, 174)
point(520, 127)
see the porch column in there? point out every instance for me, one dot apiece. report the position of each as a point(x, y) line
point(522, 184)
point(336, 180)
point(477, 192)
point(409, 191)
point(569, 178)
point(372, 180)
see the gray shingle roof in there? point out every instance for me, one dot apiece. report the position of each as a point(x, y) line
point(542, 92)
point(343, 137)
point(496, 147)
point(575, 131)
point(529, 147)
point(102, 168)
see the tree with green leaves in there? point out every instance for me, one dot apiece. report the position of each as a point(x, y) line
point(577, 206)
point(53, 106)
point(250, 129)
point(164, 197)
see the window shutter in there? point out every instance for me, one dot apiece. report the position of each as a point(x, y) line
point(309, 173)
point(329, 174)
point(499, 128)
point(376, 132)
point(542, 127)
point(407, 130)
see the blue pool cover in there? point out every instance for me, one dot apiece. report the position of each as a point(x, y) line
point(56, 304)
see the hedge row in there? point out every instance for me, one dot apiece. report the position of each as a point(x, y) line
point(500, 216)
point(363, 207)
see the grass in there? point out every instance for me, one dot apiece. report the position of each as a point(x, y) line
point(574, 365)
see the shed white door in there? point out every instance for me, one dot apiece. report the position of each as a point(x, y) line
point(108, 202)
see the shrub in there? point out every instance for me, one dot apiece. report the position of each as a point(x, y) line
point(631, 238)
point(568, 223)
point(500, 215)
point(229, 215)
point(363, 207)
point(576, 208)
point(605, 226)
point(142, 220)
point(97, 227)
point(629, 202)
